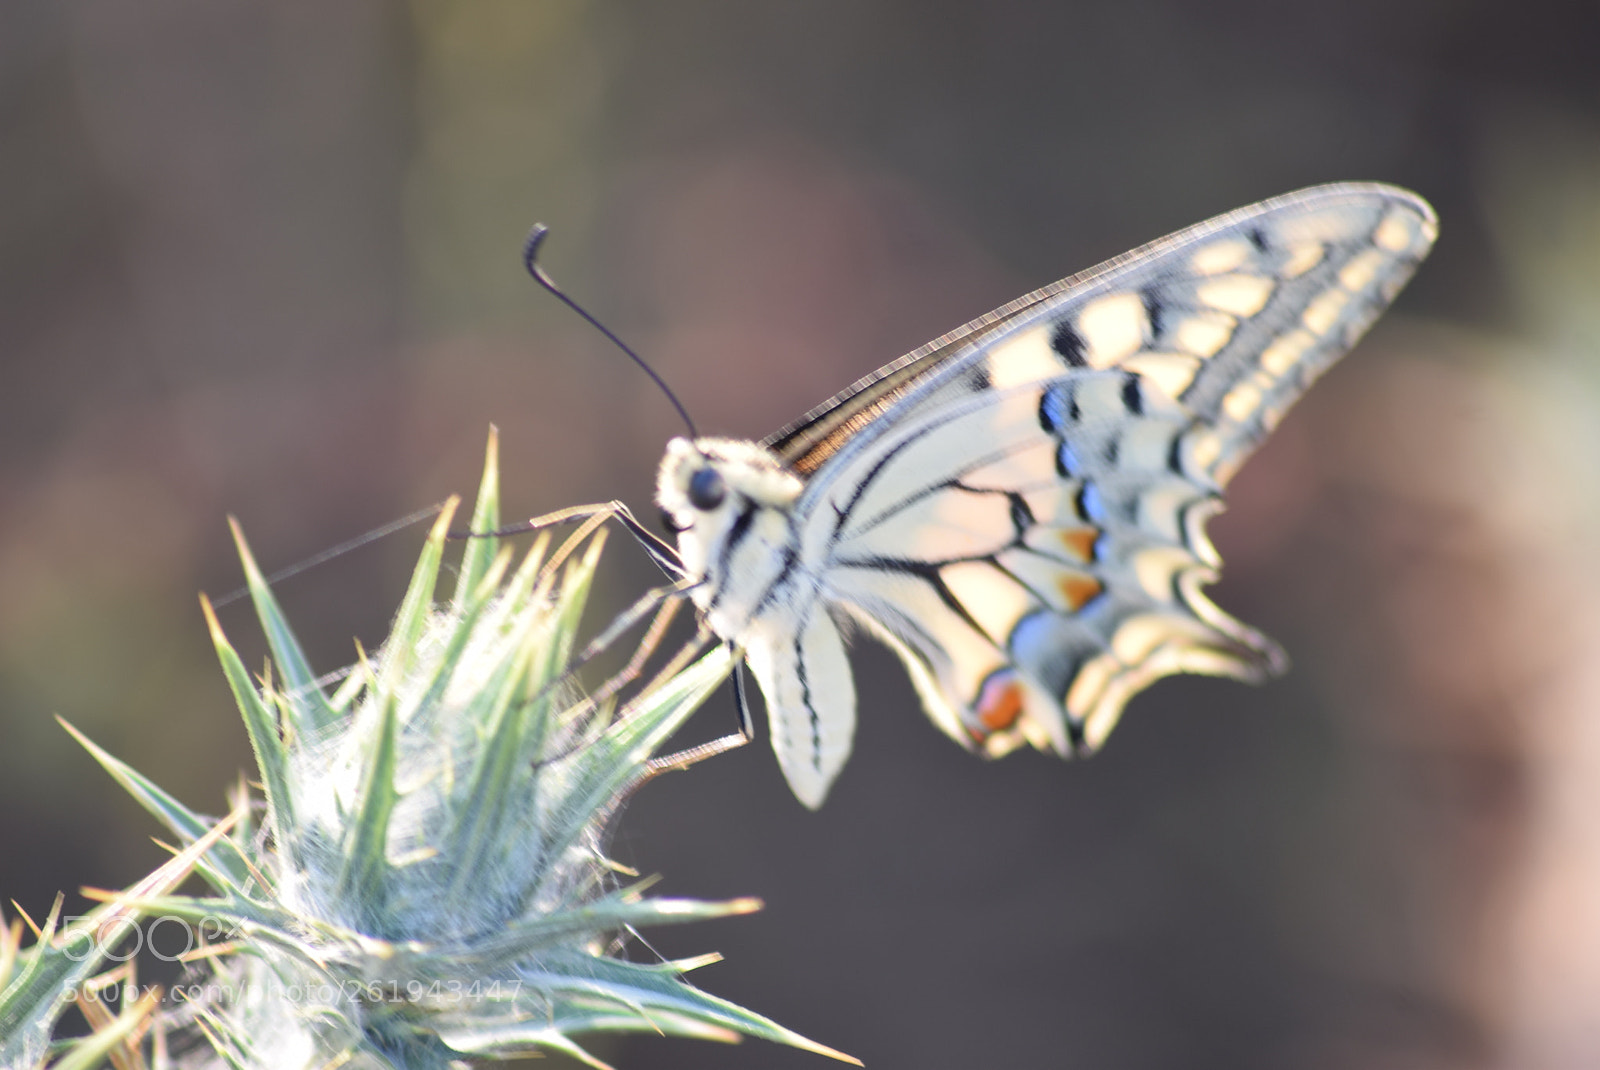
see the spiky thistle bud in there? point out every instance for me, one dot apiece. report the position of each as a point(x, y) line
point(430, 882)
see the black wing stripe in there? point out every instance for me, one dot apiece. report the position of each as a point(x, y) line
point(803, 679)
point(929, 427)
point(928, 572)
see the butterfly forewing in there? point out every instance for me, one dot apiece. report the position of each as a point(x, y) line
point(1186, 293)
point(1024, 511)
point(1018, 508)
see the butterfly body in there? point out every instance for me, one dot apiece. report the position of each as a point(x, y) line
point(1018, 508)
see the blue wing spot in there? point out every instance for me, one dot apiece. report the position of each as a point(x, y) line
point(1053, 657)
point(1057, 409)
point(1090, 505)
point(1067, 464)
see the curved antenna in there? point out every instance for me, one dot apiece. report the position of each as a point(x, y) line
point(530, 260)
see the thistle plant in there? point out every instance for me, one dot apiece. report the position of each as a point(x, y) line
point(428, 884)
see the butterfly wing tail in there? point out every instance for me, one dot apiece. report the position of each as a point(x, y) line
point(1200, 639)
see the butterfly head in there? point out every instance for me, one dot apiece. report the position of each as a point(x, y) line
point(714, 489)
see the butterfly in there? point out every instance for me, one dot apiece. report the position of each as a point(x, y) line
point(1017, 509)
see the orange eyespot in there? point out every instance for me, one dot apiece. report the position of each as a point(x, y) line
point(1000, 703)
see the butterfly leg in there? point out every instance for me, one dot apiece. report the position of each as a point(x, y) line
point(741, 698)
point(683, 759)
point(592, 516)
point(663, 602)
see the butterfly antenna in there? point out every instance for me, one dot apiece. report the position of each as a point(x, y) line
point(530, 260)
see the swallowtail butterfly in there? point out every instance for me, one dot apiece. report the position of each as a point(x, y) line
point(1018, 508)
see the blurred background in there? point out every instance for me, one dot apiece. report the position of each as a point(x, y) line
point(262, 259)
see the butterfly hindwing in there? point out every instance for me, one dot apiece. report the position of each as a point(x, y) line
point(1022, 516)
point(811, 700)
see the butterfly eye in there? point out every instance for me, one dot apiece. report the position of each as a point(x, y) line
point(706, 489)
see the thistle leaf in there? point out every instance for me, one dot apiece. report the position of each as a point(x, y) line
point(480, 552)
point(286, 653)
